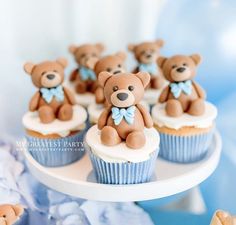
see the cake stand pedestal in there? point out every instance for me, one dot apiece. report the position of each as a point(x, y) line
point(78, 179)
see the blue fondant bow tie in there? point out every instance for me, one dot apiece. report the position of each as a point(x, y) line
point(177, 88)
point(49, 93)
point(87, 74)
point(150, 68)
point(118, 114)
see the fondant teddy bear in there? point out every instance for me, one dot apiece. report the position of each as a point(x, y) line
point(9, 214)
point(146, 54)
point(125, 118)
point(113, 64)
point(182, 94)
point(52, 100)
point(84, 76)
point(223, 218)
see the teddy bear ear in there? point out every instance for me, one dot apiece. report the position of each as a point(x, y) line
point(160, 61)
point(28, 67)
point(160, 43)
point(62, 61)
point(131, 47)
point(121, 55)
point(100, 47)
point(103, 77)
point(144, 77)
point(196, 58)
point(72, 49)
point(18, 209)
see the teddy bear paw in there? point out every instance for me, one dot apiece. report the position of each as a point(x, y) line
point(197, 107)
point(46, 114)
point(65, 113)
point(109, 136)
point(174, 108)
point(136, 140)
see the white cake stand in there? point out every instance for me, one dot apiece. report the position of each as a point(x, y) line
point(78, 178)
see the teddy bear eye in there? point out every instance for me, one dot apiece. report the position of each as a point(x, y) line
point(94, 54)
point(119, 65)
point(44, 72)
point(131, 88)
point(184, 64)
point(109, 69)
point(115, 88)
point(142, 52)
point(82, 56)
point(174, 66)
point(54, 71)
point(4, 216)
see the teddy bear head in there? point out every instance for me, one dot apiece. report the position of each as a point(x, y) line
point(179, 67)
point(9, 214)
point(147, 52)
point(87, 55)
point(124, 89)
point(47, 74)
point(113, 64)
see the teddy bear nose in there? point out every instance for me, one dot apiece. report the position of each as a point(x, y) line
point(122, 96)
point(117, 71)
point(180, 69)
point(149, 56)
point(50, 76)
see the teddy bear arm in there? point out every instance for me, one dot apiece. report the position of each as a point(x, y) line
point(73, 75)
point(70, 96)
point(34, 102)
point(102, 121)
point(148, 122)
point(200, 91)
point(164, 95)
point(99, 95)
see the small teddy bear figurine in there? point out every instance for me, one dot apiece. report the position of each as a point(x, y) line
point(182, 94)
point(124, 118)
point(52, 100)
point(9, 214)
point(84, 76)
point(223, 218)
point(146, 54)
point(113, 64)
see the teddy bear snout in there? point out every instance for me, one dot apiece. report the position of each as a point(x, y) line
point(51, 79)
point(50, 76)
point(180, 69)
point(122, 96)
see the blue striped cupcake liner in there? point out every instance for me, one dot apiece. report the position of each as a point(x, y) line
point(184, 149)
point(58, 151)
point(123, 173)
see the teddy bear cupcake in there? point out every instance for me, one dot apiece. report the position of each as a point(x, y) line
point(184, 119)
point(83, 80)
point(113, 64)
point(146, 54)
point(55, 124)
point(124, 145)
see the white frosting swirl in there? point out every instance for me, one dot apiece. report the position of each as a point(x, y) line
point(206, 120)
point(31, 121)
point(120, 152)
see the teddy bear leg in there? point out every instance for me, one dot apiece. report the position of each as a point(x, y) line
point(80, 87)
point(157, 82)
point(197, 107)
point(65, 112)
point(46, 114)
point(109, 136)
point(174, 108)
point(135, 140)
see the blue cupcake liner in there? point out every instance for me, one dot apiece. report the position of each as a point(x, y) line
point(58, 151)
point(184, 149)
point(123, 173)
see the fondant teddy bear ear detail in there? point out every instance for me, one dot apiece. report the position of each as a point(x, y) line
point(196, 58)
point(72, 49)
point(18, 209)
point(160, 61)
point(131, 47)
point(100, 47)
point(28, 67)
point(62, 61)
point(160, 43)
point(121, 55)
point(103, 77)
point(144, 77)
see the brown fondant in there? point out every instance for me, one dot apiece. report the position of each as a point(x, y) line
point(113, 64)
point(133, 86)
point(9, 214)
point(86, 56)
point(176, 69)
point(39, 75)
point(147, 53)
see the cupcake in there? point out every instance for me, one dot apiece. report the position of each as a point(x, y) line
point(183, 118)
point(146, 54)
point(54, 124)
point(124, 145)
point(83, 80)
